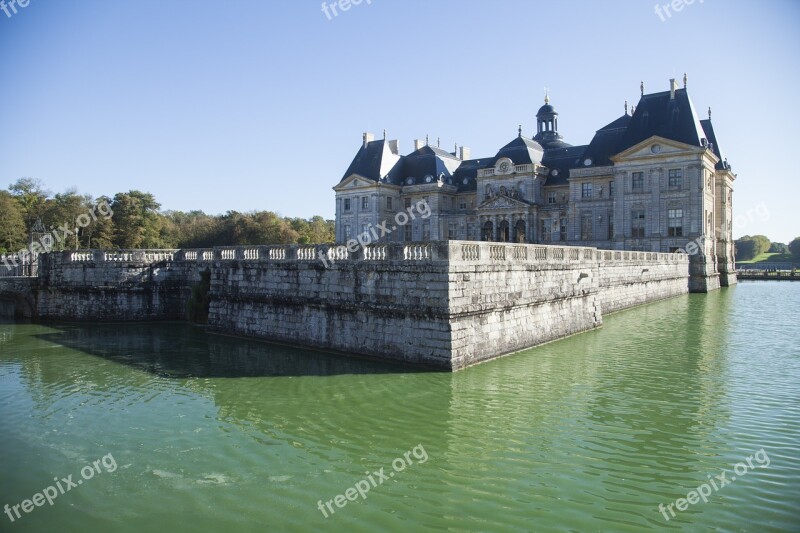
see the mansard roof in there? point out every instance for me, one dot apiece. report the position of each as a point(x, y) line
point(522, 151)
point(657, 114)
point(561, 160)
point(429, 161)
point(712, 138)
point(660, 114)
point(375, 161)
point(607, 141)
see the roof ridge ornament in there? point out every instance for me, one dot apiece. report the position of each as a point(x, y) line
point(685, 81)
point(546, 96)
point(641, 87)
point(520, 130)
point(626, 107)
point(709, 112)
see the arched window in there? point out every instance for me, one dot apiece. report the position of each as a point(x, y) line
point(488, 231)
point(519, 231)
point(505, 232)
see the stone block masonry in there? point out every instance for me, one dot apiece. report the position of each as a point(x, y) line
point(446, 305)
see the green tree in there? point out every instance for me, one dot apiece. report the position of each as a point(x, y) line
point(100, 234)
point(794, 248)
point(778, 248)
point(749, 247)
point(13, 234)
point(136, 220)
point(32, 198)
point(64, 210)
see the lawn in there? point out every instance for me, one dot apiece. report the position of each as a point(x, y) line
point(768, 258)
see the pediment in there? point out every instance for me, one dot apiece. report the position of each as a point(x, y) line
point(354, 181)
point(503, 202)
point(654, 147)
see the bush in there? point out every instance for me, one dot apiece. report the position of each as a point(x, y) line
point(778, 248)
point(751, 247)
point(794, 248)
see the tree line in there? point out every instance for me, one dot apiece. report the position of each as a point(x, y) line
point(751, 246)
point(137, 221)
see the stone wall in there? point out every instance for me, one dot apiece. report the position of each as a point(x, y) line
point(444, 304)
point(389, 301)
point(115, 285)
point(628, 279)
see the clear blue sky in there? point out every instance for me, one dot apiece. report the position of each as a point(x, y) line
point(247, 105)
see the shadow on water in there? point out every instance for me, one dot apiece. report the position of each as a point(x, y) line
point(184, 351)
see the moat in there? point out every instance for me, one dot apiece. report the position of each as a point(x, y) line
point(213, 433)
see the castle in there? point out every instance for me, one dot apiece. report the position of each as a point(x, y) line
point(653, 180)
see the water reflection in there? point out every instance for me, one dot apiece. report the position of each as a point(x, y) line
point(181, 351)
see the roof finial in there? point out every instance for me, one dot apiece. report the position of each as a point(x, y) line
point(546, 95)
point(427, 139)
point(438, 142)
point(685, 80)
point(626, 107)
point(384, 134)
point(641, 87)
point(709, 112)
point(633, 109)
point(520, 130)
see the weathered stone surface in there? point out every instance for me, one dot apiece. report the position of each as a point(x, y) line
point(443, 304)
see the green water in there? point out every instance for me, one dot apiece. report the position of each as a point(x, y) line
point(208, 433)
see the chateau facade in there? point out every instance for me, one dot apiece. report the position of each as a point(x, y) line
point(653, 180)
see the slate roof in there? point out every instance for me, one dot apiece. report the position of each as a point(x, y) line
point(376, 160)
point(656, 114)
point(712, 138)
point(607, 141)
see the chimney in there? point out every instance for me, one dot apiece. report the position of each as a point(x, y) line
point(673, 86)
point(394, 146)
point(464, 153)
point(418, 143)
point(368, 138)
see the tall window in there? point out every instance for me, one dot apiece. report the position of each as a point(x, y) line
point(675, 219)
point(551, 197)
point(637, 181)
point(388, 202)
point(637, 223)
point(563, 229)
point(675, 177)
point(586, 227)
point(365, 231)
point(451, 231)
point(407, 236)
point(348, 232)
point(426, 231)
point(347, 204)
point(586, 191)
point(365, 202)
point(547, 234)
point(611, 188)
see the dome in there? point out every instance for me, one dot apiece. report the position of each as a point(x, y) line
point(546, 109)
